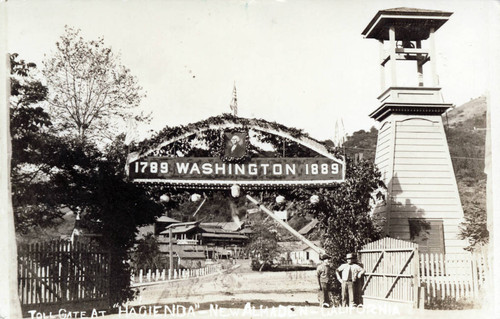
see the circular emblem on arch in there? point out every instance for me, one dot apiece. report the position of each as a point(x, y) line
point(233, 158)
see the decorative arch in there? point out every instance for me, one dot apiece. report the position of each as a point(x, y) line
point(332, 167)
point(231, 122)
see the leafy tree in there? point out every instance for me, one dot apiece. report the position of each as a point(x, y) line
point(50, 172)
point(263, 246)
point(474, 228)
point(32, 194)
point(90, 91)
point(147, 253)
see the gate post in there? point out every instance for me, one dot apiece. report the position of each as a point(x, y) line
point(416, 279)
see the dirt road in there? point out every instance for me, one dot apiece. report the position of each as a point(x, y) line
point(235, 285)
point(243, 293)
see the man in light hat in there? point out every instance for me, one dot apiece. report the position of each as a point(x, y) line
point(323, 272)
point(347, 274)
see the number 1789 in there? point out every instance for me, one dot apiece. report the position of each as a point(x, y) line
point(150, 167)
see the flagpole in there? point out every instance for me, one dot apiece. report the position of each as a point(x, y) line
point(234, 101)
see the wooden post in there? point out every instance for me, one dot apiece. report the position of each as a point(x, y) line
point(474, 276)
point(420, 65)
point(416, 278)
point(170, 251)
point(432, 53)
point(392, 53)
point(382, 65)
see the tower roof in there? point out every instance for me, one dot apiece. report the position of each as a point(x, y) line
point(410, 23)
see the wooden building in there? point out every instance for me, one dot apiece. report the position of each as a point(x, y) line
point(215, 240)
point(423, 204)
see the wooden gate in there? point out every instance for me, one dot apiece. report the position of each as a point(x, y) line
point(60, 274)
point(392, 274)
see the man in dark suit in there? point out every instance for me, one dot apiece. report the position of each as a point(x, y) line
point(234, 147)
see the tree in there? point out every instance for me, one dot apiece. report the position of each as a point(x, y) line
point(31, 166)
point(50, 172)
point(263, 246)
point(91, 93)
point(474, 228)
point(147, 253)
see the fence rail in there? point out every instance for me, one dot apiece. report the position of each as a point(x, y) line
point(157, 275)
point(458, 276)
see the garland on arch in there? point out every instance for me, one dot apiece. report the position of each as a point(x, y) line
point(226, 118)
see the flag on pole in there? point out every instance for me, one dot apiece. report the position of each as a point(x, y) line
point(234, 101)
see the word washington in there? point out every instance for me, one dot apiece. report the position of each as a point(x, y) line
point(262, 168)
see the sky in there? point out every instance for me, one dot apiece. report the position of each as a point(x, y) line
point(303, 64)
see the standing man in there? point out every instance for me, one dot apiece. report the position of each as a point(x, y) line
point(323, 273)
point(347, 274)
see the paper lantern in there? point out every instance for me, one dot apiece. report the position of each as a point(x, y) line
point(235, 190)
point(314, 199)
point(164, 198)
point(195, 197)
point(280, 199)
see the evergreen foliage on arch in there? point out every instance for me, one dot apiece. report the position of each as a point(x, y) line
point(172, 140)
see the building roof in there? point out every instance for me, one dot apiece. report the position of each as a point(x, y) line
point(225, 228)
point(296, 245)
point(231, 226)
point(166, 219)
point(179, 229)
point(411, 23)
point(191, 254)
point(234, 236)
point(309, 227)
point(406, 10)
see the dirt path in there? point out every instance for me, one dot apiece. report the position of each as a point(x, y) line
point(234, 285)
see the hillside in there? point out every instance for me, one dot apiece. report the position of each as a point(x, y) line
point(471, 114)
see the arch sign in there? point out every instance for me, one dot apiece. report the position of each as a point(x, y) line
point(235, 165)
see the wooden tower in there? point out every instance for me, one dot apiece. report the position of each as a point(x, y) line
point(423, 204)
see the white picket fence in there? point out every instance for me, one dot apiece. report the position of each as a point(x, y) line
point(158, 275)
point(452, 276)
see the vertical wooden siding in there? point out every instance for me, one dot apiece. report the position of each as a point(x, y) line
point(390, 270)
point(423, 183)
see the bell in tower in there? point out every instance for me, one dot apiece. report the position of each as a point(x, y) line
point(423, 204)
